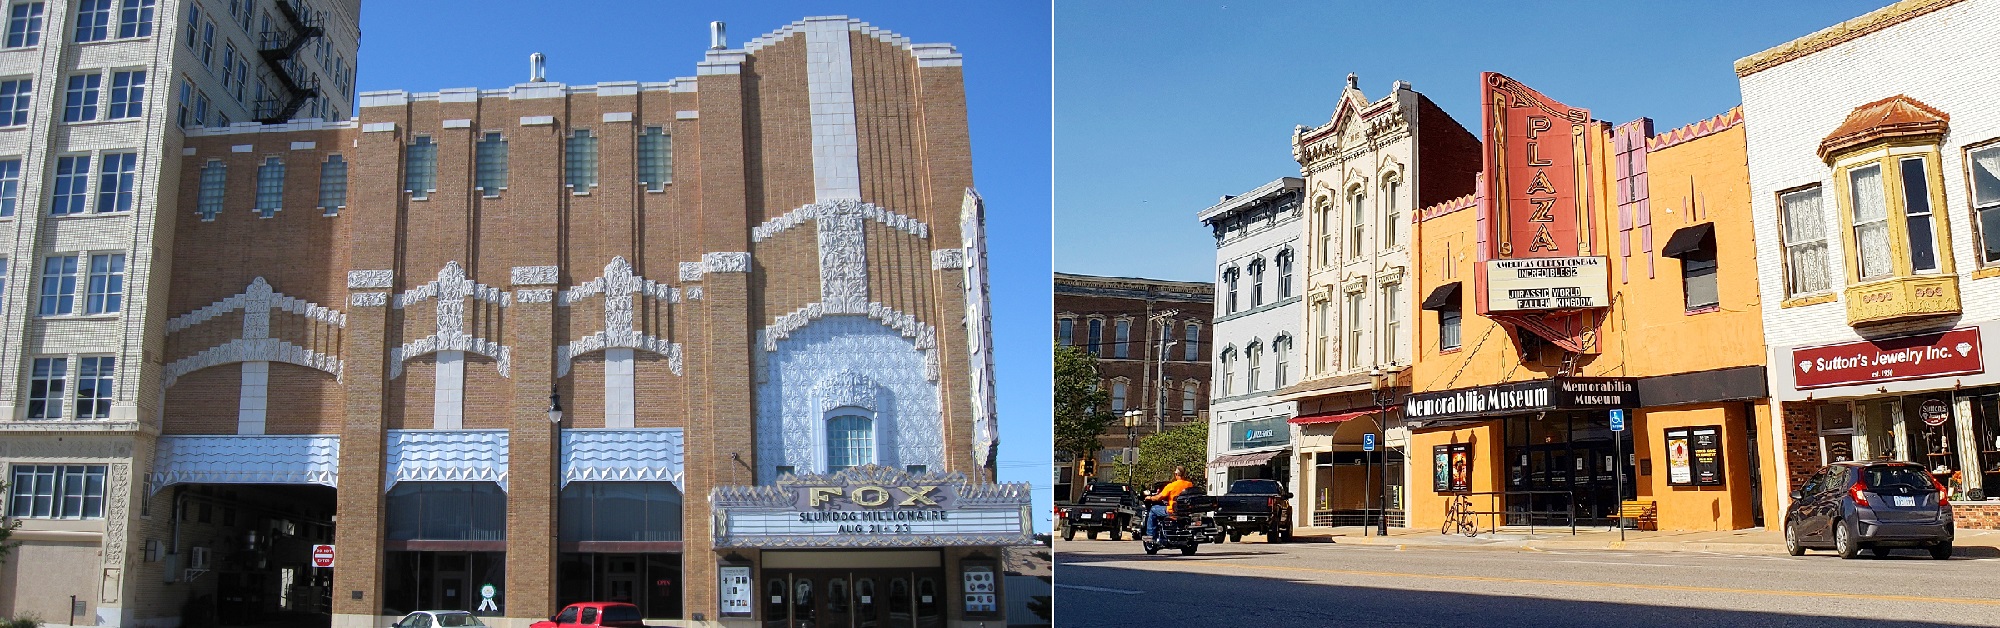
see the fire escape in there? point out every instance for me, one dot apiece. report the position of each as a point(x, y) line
point(279, 46)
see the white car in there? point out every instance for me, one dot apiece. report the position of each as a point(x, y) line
point(437, 619)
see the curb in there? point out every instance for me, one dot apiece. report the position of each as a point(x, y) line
point(1404, 543)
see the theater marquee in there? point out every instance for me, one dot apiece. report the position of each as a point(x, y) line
point(1538, 214)
point(872, 506)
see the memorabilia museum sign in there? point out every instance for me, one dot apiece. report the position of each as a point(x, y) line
point(1537, 214)
point(1954, 352)
point(1561, 393)
point(872, 506)
point(1548, 283)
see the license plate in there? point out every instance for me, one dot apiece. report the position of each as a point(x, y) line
point(1904, 501)
point(1083, 516)
point(1242, 517)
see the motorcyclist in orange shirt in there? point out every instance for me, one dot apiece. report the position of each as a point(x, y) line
point(1163, 501)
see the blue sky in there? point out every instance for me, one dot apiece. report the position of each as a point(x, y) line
point(434, 44)
point(1162, 107)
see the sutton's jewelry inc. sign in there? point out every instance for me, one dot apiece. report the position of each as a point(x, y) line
point(872, 506)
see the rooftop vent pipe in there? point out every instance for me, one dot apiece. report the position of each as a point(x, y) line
point(716, 39)
point(538, 65)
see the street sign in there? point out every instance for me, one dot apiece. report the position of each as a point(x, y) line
point(1618, 420)
point(322, 556)
point(1367, 442)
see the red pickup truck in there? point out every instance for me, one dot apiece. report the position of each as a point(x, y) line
point(590, 614)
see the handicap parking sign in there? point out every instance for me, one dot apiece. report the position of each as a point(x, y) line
point(1618, 420)
point(1367, 442)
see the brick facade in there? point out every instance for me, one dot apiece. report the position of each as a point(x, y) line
point(1081, 299)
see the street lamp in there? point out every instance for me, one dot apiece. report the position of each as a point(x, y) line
point(1132, 420)
point(555, 406)
point(1378, 389)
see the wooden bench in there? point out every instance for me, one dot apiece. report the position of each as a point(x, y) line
point(1644, 514)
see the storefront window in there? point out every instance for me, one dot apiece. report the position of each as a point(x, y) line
point(447, 511)
point(621, 511)
point(1556, 455)
point(1836, 433)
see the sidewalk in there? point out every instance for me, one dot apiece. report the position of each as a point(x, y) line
point(1970, 543)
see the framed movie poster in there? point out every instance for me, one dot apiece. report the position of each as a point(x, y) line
point(1680, 470)
point(1441, 469)
point(1694, 456)
point(1452, 470)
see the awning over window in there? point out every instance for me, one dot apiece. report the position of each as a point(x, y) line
point(1246, 460)
point(1328, 417)
point(1689, 239)
point(1445, 297)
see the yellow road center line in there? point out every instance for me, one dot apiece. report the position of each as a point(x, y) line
point(1626, 585)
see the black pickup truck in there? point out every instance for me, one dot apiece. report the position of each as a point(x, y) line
point(1256, 506)
point(1103, 507)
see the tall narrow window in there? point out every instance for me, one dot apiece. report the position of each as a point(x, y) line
point(1118, 390)
point(1189, 389)
point(1065, 328)
point(193, 25)
point(59, 285)
point(1192, 351)
point(200, 109)
point(1253, 359)
point(14, 99)
point(208, 201)
point(46, 388)
point(1096, 336)
point(1284, 274)
point(80, 100)
point(93, 20)
point(656, 158)
point(72, 185)
point(1985, 166)
point(1227, 379)
point(186, 112)
point(1392, 322)
point(1322, 328)
point(333, 185)
point(1325, 232)
point(208, 44)
point(581, 157)
point(106, 292)
point(1871, 222)
point(491, 155)
point(1698, 278)
point(128, 94)
point(1355, 303)
point(850, 442)
point(242, 78)
point(1281, 349)
point(420, 168)
point(24, 25)
point(1449, 320)
point(135, 19)
point(10, 186)
point(228, 65)
point(270, 187)
point(1358, 222)
point(1123, 339)
point(94, 387)
point(116, 181)
point(1256, 282)
point(1917, 215)
point(1229, 278)
point(1392, 216)
point(1806, 269)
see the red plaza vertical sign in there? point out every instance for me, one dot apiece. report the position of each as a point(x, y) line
point(1541, 269)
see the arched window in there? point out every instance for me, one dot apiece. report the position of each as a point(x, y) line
point(1284, 274)
point(1193, 343)
point(1118, 392)
point(1254, 357)
point(1189, 389)
point(1228, 372)
point(1392, 215)
point(1325, 209)
point(850, 442)
point(1280, 346)
point(1256, 282)
point(1229, 289)
point(1357, 209)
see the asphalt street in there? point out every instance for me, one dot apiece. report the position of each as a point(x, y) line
point(1102, 583)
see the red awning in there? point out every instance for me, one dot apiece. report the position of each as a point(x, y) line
point(1327, 417)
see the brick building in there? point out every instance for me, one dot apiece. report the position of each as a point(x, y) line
point(1151, 338)
point(677, 343)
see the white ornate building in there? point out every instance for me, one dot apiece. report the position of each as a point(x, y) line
point(1258, 291)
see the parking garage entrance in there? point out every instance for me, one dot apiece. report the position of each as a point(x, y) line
point(244, 553)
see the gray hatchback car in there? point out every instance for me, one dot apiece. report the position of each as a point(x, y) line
point(1877, 505)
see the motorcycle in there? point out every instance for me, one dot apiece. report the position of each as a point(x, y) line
point(1189, 525)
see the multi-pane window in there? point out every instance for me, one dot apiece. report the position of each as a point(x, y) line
point(270, 187)
point(1985, 166)
point(1228, 375)
point(1253, 358)
point(656, 158)
point(1806, 267)
point(1188, 391)
point(1096, 336)
point(46, 388)
point(1256, 282)
point(14, 98)
point(1392, 216)
point(80, 100)
point(208, 201)
point(106, 292)
point(1355, 302)
point(242, 77)
point(1450, 320)
point(200, 109)
point(72, 185)
point(1321, 329)
point(1281, 350)
point(1392, 322)
point(1064, 329)
point(333, 184)
point(850, 442)
point(1229, 278)
point(116, 180)
point(490, 156)
point(1192, 344)
point(228, 65)
point(1917, 215)
point(94, 386)
point(1123, 339)
point(420, 168)
point(10, 186)
point(93, 20)
point(1871, 222)
point(186, 112)
point(135, 18)
point(581, 159)
point(1118, 391)
point(1698, 277)
point(193, 25)
point(1325, 232)
point(208, 44)
point(24, 25)
point(1357, 209)
point(59, 285)
point(128, 94)
point(1284, 274)
point(58, 491)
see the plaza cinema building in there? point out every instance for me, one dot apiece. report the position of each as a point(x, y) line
point(1597, 269)
point(716, 346)
point(1875, 184)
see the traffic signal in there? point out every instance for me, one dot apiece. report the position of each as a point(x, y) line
point(1087, 467)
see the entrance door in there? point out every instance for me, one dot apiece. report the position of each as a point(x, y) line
point(621, 578)
point(453, 572)
point(858, 598)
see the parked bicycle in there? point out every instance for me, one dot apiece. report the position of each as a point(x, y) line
point(1458, 516)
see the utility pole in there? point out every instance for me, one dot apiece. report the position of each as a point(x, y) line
point(1160, 321)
